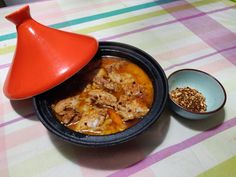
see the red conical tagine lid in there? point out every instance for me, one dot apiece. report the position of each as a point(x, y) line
point(44, 57)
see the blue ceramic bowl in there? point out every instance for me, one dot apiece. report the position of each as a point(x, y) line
point(209, 86)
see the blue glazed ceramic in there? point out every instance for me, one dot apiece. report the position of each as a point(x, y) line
point(210, 87)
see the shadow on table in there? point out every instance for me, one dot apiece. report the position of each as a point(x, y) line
point(119, 156)
point(204, 124)
point(24, 108)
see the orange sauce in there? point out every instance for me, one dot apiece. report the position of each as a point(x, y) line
point(114, 121)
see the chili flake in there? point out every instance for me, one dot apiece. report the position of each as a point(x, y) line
point(189, 98)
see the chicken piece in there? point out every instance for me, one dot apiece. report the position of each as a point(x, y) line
point(61, 106)
point(131, 108)
point(102, 80)
point(66, 110)
point(123, 78)
point(71, 116)
point(114, 66)
point(102, 98)
point(92, 120)
point(101, 73)
point(134, 90)
point(86, 89)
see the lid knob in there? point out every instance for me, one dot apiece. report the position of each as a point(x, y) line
point(19, 16)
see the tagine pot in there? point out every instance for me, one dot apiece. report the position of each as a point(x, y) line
point(44, 57)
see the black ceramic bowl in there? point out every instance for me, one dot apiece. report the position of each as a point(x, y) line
point(147, 63)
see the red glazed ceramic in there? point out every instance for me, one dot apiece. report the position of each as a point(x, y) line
point(44, 57)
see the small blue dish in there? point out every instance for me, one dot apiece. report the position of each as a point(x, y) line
point(209, 86)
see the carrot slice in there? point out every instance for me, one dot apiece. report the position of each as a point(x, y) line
point(115, 117)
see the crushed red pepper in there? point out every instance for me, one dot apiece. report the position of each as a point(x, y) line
point(189, 98)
